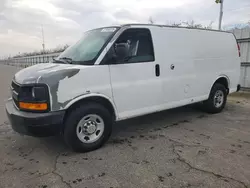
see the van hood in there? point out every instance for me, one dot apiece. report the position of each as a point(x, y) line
point(46, 73)
point(52, 75)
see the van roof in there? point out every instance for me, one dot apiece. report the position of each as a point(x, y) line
point(156, 25)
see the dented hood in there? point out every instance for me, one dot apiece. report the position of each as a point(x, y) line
point(42, 73)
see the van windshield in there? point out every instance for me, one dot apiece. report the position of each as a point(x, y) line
point(88, 48)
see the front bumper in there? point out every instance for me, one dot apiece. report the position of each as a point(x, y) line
point(34, 124)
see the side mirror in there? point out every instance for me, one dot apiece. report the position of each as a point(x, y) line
point(121, 51)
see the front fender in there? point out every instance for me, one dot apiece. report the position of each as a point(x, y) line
point(88, 95)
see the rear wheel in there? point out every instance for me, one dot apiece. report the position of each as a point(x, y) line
point(87, 127)
point(217, 99)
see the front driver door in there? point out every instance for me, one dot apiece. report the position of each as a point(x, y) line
point(136, 81)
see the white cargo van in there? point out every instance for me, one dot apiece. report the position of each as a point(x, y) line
point(116, 73)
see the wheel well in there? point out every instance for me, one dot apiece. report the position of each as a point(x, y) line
point(100, 100)
point(223, 81)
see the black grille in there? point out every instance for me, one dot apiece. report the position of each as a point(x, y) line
point(16, 103)
point(15, 89)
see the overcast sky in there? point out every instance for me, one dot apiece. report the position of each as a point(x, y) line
point(64, 21)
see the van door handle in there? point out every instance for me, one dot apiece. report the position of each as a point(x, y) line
point(157, 70)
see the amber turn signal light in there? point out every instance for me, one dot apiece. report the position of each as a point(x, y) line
point(33, 106)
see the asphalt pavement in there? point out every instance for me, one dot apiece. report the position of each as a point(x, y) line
point(179, 148)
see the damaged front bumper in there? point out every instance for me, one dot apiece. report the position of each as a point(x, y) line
point(34, 124)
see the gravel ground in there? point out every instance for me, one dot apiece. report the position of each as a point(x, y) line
point(178, 148)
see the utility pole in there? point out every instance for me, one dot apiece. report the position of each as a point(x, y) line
point(221, 11)
point(43, 44)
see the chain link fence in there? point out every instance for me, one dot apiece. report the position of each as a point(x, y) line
point(243, 39)
point(30, 60)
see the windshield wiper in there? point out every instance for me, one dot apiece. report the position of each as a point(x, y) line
point(67, 59)
point(59, 61)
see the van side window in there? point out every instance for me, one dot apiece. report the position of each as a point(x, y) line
point(138, 45)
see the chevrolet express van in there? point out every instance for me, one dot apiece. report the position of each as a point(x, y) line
point(116, 73)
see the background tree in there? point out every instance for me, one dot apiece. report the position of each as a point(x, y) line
point(150, 20)
point(46, 51)
point(192, 24)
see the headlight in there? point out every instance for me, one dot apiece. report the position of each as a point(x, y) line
point(39, 93)
point(34, 98)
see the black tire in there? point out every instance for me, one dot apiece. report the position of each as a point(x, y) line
point(209, 105)
point(75, 115)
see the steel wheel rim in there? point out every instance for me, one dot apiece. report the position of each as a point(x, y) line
point(218, 99)
point(90, 128)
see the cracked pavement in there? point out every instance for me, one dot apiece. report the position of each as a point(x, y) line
point(179, 148)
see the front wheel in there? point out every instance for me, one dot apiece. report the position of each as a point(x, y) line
point(87, 127)
point(217, 99)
